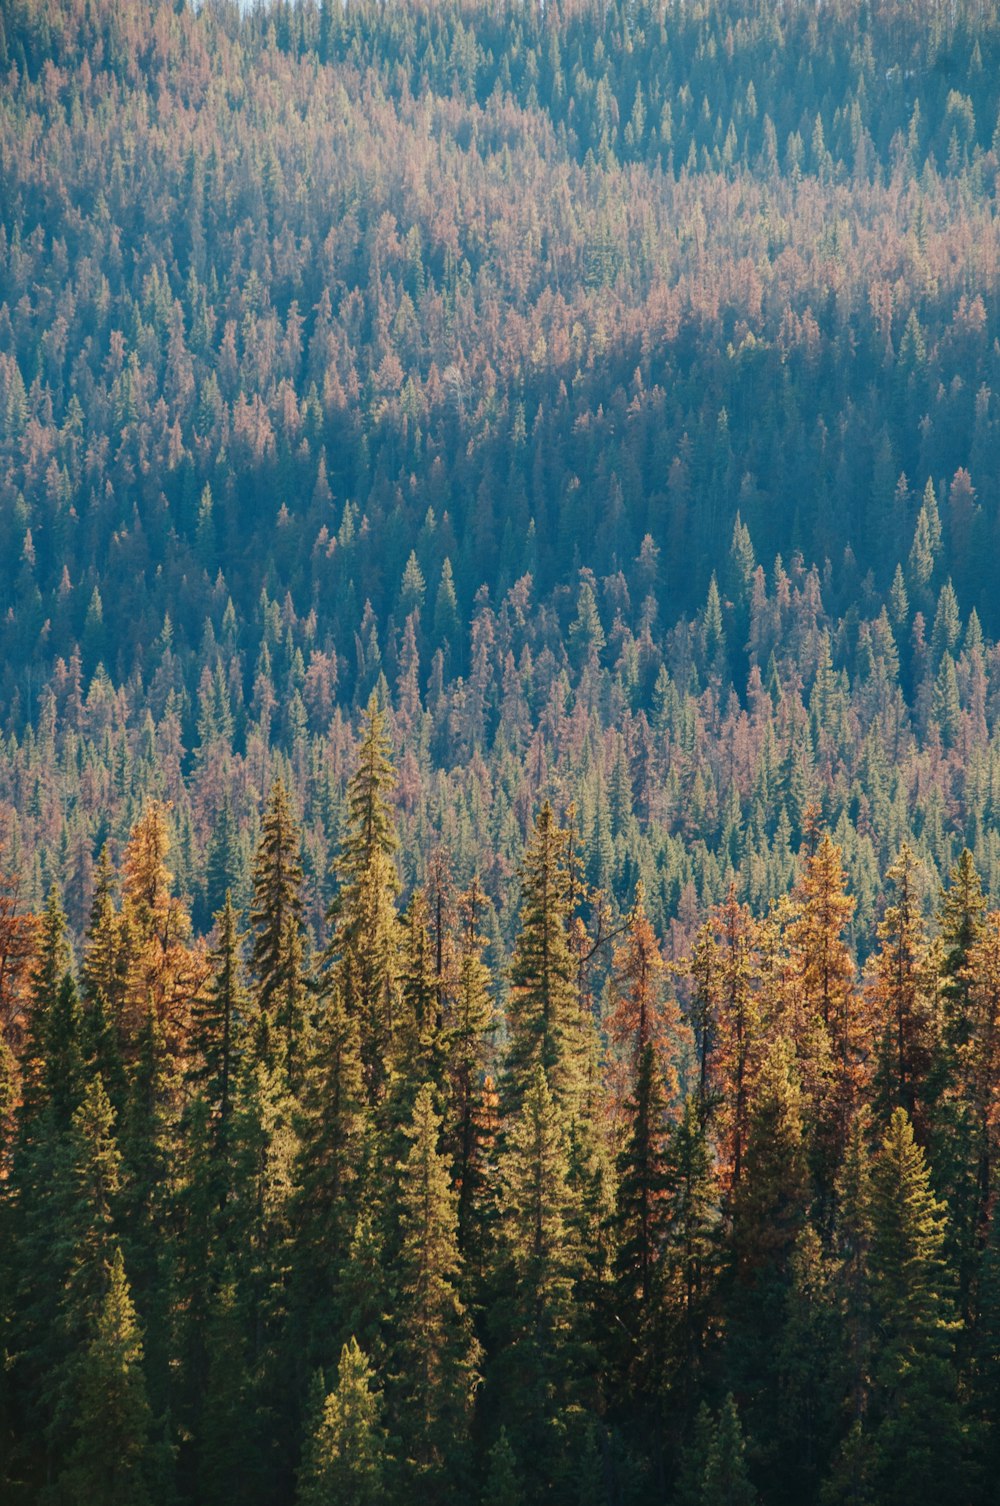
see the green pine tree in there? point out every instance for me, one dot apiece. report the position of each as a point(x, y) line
point(434, 1355)
point(345, 1458)
point(917, 1418)
point(111, 1460)
point(543, 1021)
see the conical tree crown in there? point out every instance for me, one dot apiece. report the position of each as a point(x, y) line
point(543, 1022)
point(344, 1462)
point(110, 1461)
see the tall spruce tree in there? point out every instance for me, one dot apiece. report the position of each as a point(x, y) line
point(434, 1355)
point(111, 1462)
point(542, 1015)
point(917, 1416)
point(345, 1460)
point(468, 1130)
point(540, 1358)
point(365, 940)
point(276, 918)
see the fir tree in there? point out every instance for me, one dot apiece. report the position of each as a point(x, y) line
point(467, 1127)
point(219, 1022)
point(365, 939)
point(543, 1021)
point(539, 1370)
point(345, 1458)
point(918, 1425)
point(276, 916)
point(435, 1354)
point(110, 1462)
point(726, 1481)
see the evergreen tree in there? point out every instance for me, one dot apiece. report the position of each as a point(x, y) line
point(726, 1481)
point(918, 1423)
point(435, 1354)
point(330, 1172)
point(111, 1460)
point(102, 971)
point(641, 1220)
point(219, 1022)
point(825, 1022)
point(468, 1113)
point(503, 1484)
point(345, 1457)
point(539, 1368)
point(276, 916)
point(543, 1020)
point(692, 1250)
point(365, 939)
point(902, 1008)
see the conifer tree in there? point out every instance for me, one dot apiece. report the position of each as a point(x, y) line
point(543, 1019)
point(807, 1414)
point(852, 1249)
point(639, 1016)
point(961, 917)
point(902, 1008)
point(330, 1170)
point(219, 1022)
point(467, 1127)
point(539, 1370)
point(826, 1026)
point(365, 939)
point(768, 1213)
point(503, 1484)
point(641, 1219)
point(111, 1460)
point(276, 917)
point(918, 1425)
point(692, 1250)
point(435, 1354)
point(345, 1458)
point(739, 1031)
point(102, 972)
point(727, 1481)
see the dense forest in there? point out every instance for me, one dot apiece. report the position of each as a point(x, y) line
point(499, 773)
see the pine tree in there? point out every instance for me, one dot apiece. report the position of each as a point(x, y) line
point(961, 918)
point(918, 1425)
point(503, 1484)
point(345, 1458)
point(330, 1172)
point(826, 1023)
point(539, 1370)
point(726, 1481)
point(110, 1462)
point(692, 1248)
point(102, 971)
point(467, 1127)
point(639, 1016)
point(543, 1019)
point(276, 917)
point(738, 1026)
point(365, 940)
point(852, 1248)
point(435, 1353)
point(807, 1415)
point(768, 1213)
point(218, 1023)
point(901, 1006)
point(163, 973)
point(641, 1220)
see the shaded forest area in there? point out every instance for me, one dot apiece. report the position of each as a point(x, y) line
point(505, 497)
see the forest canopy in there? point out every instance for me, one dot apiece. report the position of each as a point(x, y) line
point(499, 776)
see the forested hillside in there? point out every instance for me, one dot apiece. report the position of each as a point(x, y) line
point(499, 776)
